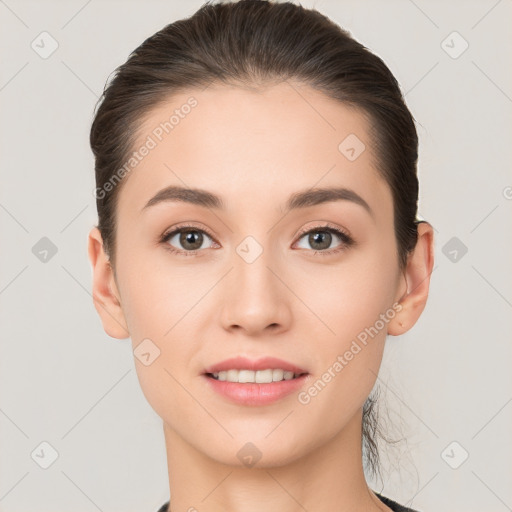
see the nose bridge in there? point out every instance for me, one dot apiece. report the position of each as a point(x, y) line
point(255, 298)
point(252, 263)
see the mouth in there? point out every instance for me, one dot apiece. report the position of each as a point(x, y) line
point(255, 382)
point(259, 371)
point(244, 376)
point(255, 387)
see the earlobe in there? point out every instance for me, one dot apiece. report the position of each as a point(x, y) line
point(105, 294)
point(413, 294)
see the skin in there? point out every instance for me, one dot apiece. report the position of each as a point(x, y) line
point(254, 148)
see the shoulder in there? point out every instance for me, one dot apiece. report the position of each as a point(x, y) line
point(393, 505)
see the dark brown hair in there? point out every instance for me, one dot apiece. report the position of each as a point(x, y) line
point(251, 43)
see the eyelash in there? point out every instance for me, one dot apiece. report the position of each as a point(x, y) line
point(346, 239)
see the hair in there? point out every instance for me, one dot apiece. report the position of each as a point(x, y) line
point(252, 43)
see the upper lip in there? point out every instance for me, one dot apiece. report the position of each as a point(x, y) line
point(242, 363)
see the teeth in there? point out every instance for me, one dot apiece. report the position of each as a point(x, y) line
point(260, 376)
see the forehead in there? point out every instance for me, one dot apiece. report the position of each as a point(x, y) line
point(252, 143)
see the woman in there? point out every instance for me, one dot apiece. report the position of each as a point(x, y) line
point(257, 241)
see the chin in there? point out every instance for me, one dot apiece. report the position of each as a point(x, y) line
point(254, 452)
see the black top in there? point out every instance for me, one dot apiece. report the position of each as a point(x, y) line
point(393, 505)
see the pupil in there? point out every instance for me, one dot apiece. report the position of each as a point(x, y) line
point(189, 237)
point(321, 235)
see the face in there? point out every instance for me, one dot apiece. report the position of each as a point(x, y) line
point(314, 283)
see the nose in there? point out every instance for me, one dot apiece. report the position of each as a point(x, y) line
point(255, 298)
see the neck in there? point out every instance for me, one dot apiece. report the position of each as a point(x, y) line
point(329, 477)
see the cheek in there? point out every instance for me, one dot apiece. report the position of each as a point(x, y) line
point(154, 296)
point(350, 295)
point(158, 307)
point(354, 306)
point(162, 303)
point(354, 302)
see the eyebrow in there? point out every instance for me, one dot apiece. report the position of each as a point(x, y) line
point(301, 199)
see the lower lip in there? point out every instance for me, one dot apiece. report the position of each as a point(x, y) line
point(256, 394)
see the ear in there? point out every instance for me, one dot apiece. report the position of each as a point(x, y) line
point(105, 294)
point(415, 282)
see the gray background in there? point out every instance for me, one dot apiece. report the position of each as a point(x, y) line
point(63, 381)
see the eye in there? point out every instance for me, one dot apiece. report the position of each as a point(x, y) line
point(320, 239)
point(188, 239)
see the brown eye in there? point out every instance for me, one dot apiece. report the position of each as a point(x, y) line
point(321, 238)
point(186, 239)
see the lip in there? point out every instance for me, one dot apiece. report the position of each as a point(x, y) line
point(243, 363)
point(253, 394)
